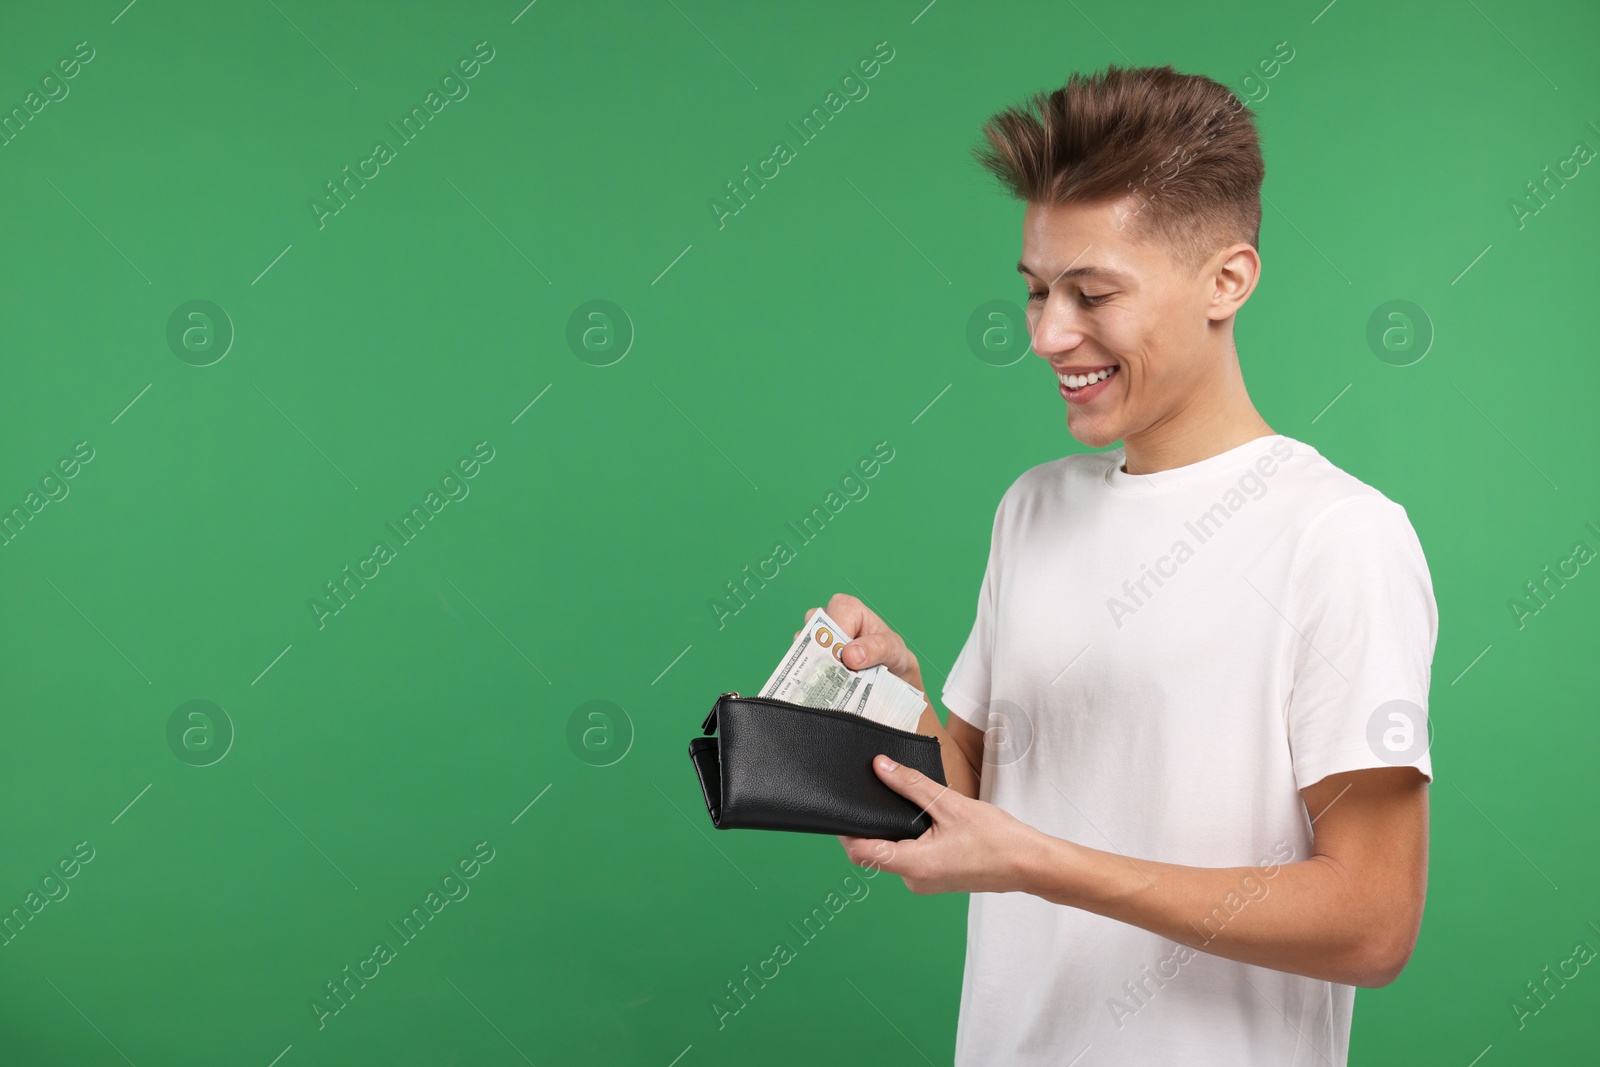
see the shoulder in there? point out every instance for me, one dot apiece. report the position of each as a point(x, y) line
point(1341, 517)
point(1329, 494)
point(1055, 477)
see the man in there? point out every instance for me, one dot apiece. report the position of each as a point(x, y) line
point(1187, 750)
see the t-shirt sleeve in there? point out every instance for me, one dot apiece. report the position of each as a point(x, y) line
point(1365, 625)
point(966, 688)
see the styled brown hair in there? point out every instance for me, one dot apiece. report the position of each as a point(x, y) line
point(1182, 145)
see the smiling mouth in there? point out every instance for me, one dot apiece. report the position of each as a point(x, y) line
point(1083, 388)
point(1075, 382)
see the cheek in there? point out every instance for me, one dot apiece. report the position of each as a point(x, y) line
point(1128, 348)
point(1147, 354)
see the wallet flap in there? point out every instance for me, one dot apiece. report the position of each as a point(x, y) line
point(783, 766)
point(703, 751)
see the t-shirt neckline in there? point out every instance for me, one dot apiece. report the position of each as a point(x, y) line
point(1121, 481)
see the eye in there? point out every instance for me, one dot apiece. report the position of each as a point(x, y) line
point(1091, 300)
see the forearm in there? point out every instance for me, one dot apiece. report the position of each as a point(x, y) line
point(959, 772)
point(1307, 916)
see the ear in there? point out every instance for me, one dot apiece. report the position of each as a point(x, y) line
point(1238, 269)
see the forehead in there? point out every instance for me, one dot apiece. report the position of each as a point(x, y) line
point(1093, 241)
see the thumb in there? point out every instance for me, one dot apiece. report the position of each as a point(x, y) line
point(908, 782)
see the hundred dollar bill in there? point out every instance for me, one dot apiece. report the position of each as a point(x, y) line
point(811, 674)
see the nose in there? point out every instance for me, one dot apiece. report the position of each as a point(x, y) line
point(1053, 332)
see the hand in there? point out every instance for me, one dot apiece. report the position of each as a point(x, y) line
point(972, 846)
point(871, 640)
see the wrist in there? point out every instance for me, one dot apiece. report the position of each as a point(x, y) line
point(1065, 872)
point(1046, 867)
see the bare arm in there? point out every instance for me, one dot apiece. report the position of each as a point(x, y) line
point(1347, 913)
point(960, 747)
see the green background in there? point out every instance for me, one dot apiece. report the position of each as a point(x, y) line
point(763, 358)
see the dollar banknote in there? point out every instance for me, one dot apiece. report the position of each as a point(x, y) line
point(812, 674)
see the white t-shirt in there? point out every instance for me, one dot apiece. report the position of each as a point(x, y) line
point(1161, 662)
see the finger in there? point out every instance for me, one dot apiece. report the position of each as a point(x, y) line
point(872, 853)
point(869, 649)
point(852, 615)
point(909, 783)
point(864, 843)
point(859, 655)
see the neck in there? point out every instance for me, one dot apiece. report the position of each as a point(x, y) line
point(1217, 420)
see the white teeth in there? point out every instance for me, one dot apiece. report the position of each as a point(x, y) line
point(1078, 381)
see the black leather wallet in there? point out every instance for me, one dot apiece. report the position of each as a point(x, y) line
point(774, 765)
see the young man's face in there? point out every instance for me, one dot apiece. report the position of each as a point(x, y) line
point(1101, 301)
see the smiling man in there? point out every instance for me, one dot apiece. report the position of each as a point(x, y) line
point(1187, 748)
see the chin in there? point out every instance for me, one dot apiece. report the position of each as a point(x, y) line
point(1096, 434)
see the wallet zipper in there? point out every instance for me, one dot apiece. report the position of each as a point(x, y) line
point(706, 727)
point(830, 711)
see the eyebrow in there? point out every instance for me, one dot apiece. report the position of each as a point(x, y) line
point(1101, 274)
